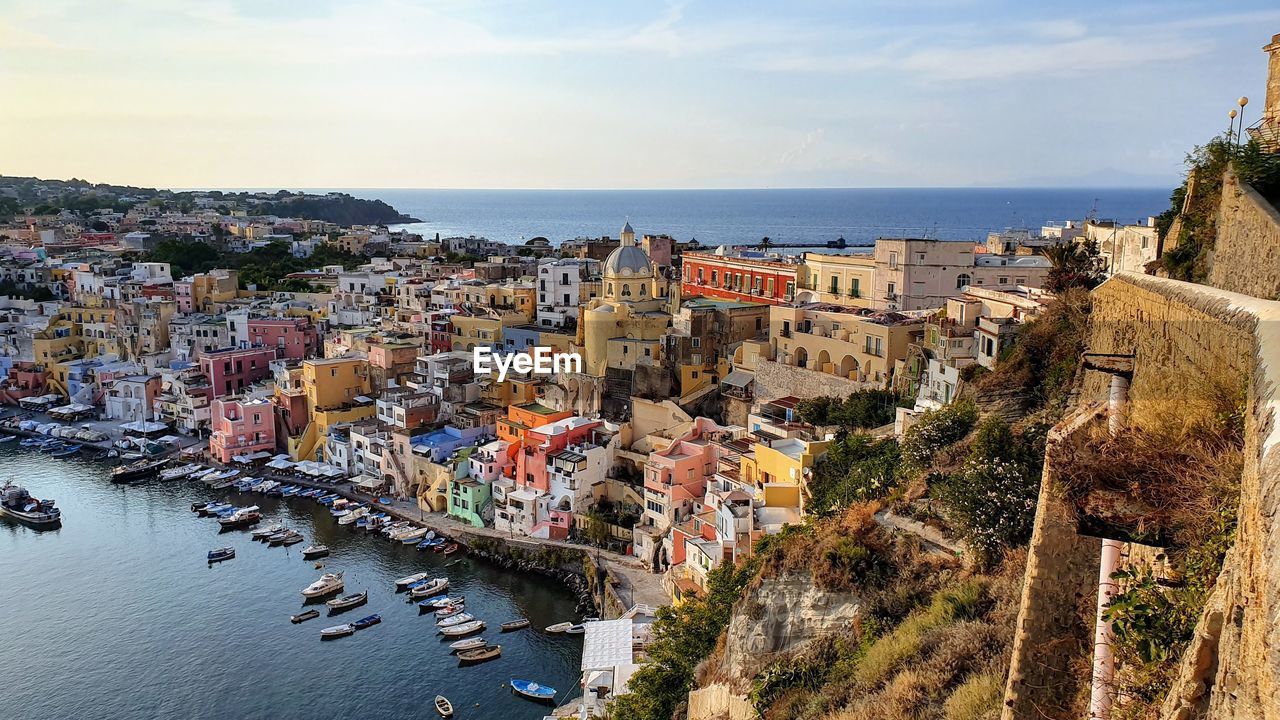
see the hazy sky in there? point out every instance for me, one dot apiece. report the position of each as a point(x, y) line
point(578, 94)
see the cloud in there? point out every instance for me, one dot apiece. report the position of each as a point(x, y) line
point(812, 138)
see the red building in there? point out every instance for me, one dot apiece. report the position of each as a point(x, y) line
point(294, 338)
point(230, 370)
point(764, 279)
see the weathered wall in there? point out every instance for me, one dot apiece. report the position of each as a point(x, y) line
point(1246, 256)
point(1062, 568)
point(775, 380)
point(718, 702)
point(1189, 340)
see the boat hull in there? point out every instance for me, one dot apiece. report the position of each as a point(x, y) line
point(36, 521)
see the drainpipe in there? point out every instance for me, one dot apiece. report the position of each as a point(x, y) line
point(1104, 664)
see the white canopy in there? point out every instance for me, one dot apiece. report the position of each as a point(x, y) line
point(143, 426)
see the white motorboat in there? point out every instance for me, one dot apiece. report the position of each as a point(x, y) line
point(353, 515)
point(467, 628)
point(311, 552)
point(337, 631)
point(468, 644)
point(264, 533)
point(181, 472)
point(328, 584)
point(411, 537)
point(396, 527)
point(428, 589)
point(408, 580)
point(458, 619)
point(559, 628)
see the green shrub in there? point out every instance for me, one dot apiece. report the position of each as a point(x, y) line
point(977, 698)
point(856, 468)
point(862, 409)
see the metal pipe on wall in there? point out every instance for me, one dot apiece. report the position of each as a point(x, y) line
point(1104, 666)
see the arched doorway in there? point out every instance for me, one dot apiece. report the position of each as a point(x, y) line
point(802, 357)
point(848, 367)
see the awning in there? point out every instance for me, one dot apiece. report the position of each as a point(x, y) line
point(143, 426)
point(606, 644)
point(251, 457)
point(738, 378)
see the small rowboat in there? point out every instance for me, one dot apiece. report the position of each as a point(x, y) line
point(468, 644)
point(464, 629)
point(337, 631)
point(404, 582)
point(455, 620)
point(366, 622)
point(451, 548)
point(479, 655)
point(221, 554)
point(559, 627)
point(576, 629)
point(514, 625)
point(533, 691)
point(347, 602)
point(444, 707)
point(450, 611)
point(303, 617)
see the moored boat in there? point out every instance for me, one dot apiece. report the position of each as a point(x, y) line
point(288, 537)
point(303, 617)
point(404, 582)
point(292, 538)
point(180, 472)
point(468, 644)
point(337, 631)
point(354, 515)
point(221, 554)
point(558, 628)
point(429, 588)
point(450, 611)
point(444, 707)
point(328, 584)
point(67, 451)
point(366, 622)
point(576, 629)
point(440, 601)
point(311, 552)
point(451, 548)
point(458, 619)
point(514, 625)
point(476, 656)
point(242, 518)
point(411, 537)
point(136, 471)
point(348, 601)
point(17, 503)
point(464, 629)
point(264, 533)
point(533, 691)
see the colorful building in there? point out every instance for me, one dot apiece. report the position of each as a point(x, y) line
point(749, 276)
point(241, 426)
point(231, 370)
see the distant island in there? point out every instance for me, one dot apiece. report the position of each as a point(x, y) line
point(36, 196)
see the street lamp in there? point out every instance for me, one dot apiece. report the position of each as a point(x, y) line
point(1231, 123)
point(1241, 102)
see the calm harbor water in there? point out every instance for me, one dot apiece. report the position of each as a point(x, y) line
point(717, 217)
point(117, 615)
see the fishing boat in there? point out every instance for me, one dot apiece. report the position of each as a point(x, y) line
point(576, 629)
point(430, 588)
point(8, 438)
point(412, 537)
point(458, 619)
point(558, 628)
point(328, 584)
point(17, 503)
point(49, 446)
point(467, 628)
point(292, 538)
point(352, 516)
point(221, 554)
point(450, 611)
point(242, 518)
point(337, 631)
point(311, 552)
point(395, 528)
point(479, 655)
point(423, 545)
point(468, 644)
point(366, 622)
point(329, 499)
point(266, 532)
point(220, 477)
point(67, 451)
point(451, 549)
point(514, 625)
point(212, 509)
point(303, 617)
point(533, 691)
point(404, 582)
point(180, 472)
point(136, 471)
point(347, 602)
point(444, 707)
point(277, 537)
point(439, 601)
point(31, 442)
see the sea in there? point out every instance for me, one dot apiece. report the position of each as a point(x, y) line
point(117, 616)
point(743, 217)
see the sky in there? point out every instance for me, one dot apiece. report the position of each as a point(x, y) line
point(621, 94)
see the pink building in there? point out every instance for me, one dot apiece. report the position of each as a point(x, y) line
point(182, 295)
point(294, 338)
point(231, 370)
point(241, 427)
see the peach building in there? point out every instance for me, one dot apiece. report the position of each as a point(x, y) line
point(241, 426)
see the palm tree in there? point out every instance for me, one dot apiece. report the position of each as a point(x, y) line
point(765, 243)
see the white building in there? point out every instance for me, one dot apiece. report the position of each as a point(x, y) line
point(560, 291)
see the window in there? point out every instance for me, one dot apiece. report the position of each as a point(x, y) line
point(855, 288)
point(835, 285)
point(920, 258)
point(893, 289)
point(1002, 280)
point(962, 279)
point(697, 342)
point(1020, 281)
point(893, 261)
point(715, 278)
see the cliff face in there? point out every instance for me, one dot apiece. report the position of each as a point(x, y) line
point(778, 618)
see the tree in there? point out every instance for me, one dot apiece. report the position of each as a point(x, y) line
point(1074, 264)
point(765, 243)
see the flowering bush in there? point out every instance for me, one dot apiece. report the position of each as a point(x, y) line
point(993, 497)
point(935, 430)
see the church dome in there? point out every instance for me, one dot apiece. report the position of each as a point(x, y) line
point(628, 261)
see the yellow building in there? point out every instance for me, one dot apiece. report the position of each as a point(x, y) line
point(781, 469)
point(351, 243)
point(472, 331)
point(859, 345)
point(517, 297)
point(623, 328)
point(212, 289)
point(836, 279)
point(336, 391)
